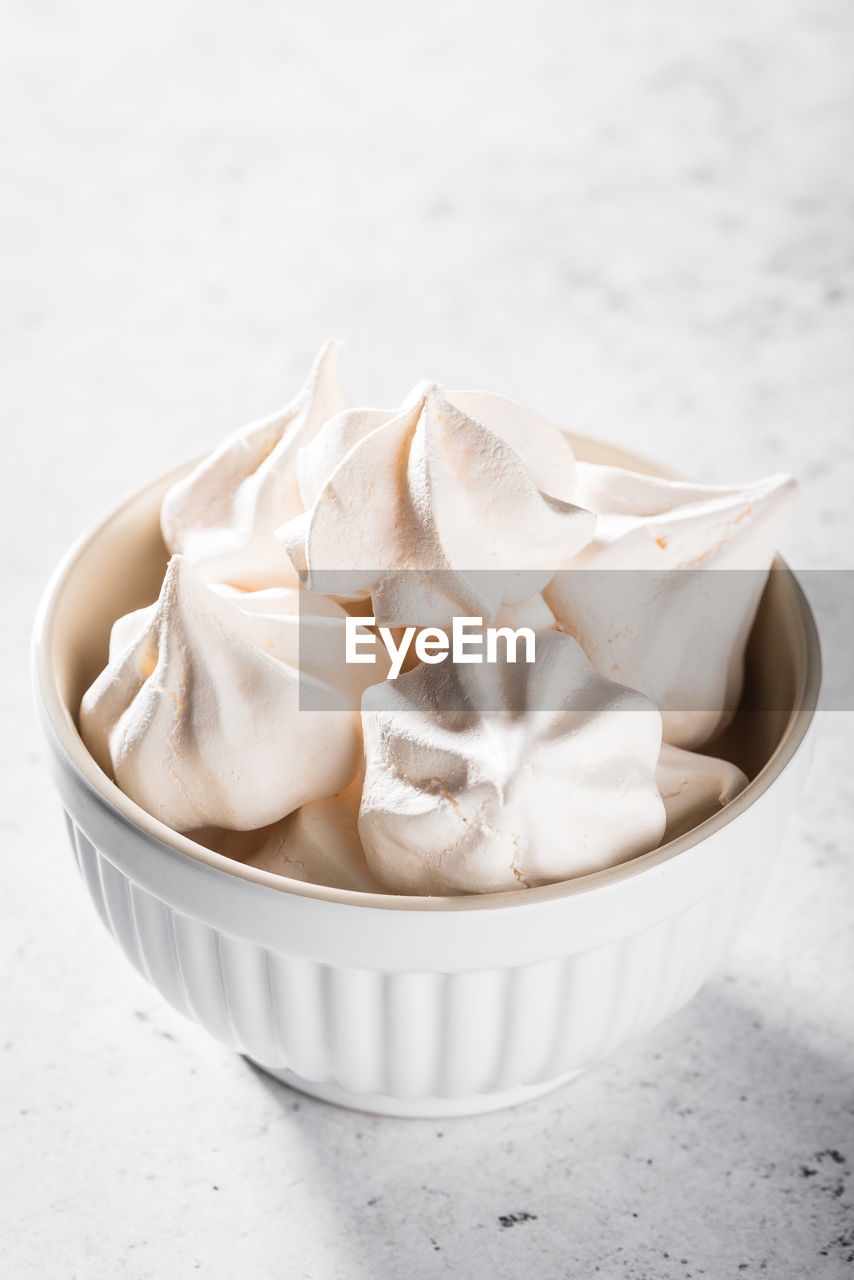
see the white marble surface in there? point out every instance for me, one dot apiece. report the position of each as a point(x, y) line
point(638, 218)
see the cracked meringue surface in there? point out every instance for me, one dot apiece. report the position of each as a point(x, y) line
point(479, 779)
point(693, 787)
point(664, 595)
point(224, 514)
point(438, 490)
point(197, 715)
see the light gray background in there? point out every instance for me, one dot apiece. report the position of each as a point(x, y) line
point(638, 219)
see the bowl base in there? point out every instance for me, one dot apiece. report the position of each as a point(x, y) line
point(381, 1104)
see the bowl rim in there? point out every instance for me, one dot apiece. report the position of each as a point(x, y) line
point(61, 726)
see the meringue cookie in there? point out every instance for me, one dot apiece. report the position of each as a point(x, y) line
point(317, 844)
point(544, 449)
point(533, 613)
point(197, 715)
point(662, 622)
point(694, 787)
point(223, 515)
point(461, 797)
point(307, 631)
point(435, 492)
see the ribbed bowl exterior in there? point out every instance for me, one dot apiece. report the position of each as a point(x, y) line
point(381, 1027)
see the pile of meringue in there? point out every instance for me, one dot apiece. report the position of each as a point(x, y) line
point(451, 778)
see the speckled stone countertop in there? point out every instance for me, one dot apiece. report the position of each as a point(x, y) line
point(638, 219)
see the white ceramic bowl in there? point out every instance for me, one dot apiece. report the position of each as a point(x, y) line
point(414, 1006)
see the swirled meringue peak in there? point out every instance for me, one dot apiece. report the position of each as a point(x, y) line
point(484, 778)
point(694, 787)
point(223, 515)
point(199, 714)
point(664, 596)
point(434, 511)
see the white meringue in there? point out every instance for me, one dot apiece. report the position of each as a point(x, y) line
point(663, 621)
point(200, 714)
point(229, 711)
point(436, 489)
point(533, 612)
point(694, 787)
point(223, 515)
point(318, 844)
point(485, 778)
point(544, 449)
point(308, 632)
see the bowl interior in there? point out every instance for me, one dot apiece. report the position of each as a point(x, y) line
point(119, 567)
